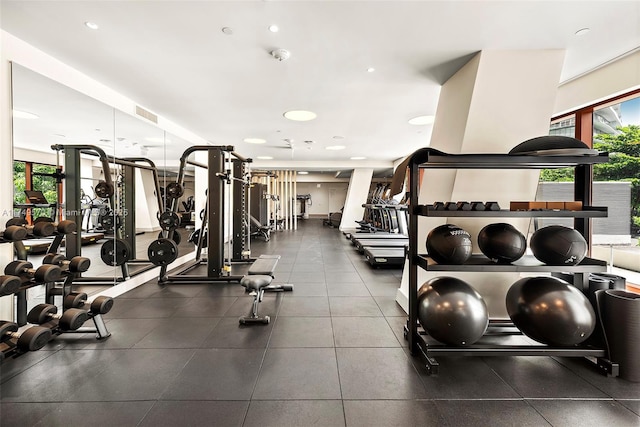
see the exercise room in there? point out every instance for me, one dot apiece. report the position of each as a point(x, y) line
point(314, 213)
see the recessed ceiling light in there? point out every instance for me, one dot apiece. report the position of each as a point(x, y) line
point(254, 140)
point(24, 115)
point(227, 30)
point(264, 158)
point(300, 115)
point(335, 147)
point(91, 25)
point(273, 28)
point(422, 120)
point(303, 173)
point(582, 31)
point(370, 70)
point(358, 158)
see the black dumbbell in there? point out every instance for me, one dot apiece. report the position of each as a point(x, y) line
point(31, 339)
point(14, 233)
point(9, 285)
point(100, 305)
point(40, 228)
point(463, 206)
point(477, 206)
point(492, 206)
point(77, 264)
point(44, 274)
point(66, 227)
point(69, 320)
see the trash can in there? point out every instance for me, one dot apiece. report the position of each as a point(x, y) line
point(620, 316)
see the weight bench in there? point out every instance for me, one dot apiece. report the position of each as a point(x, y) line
point(257, 281)
point(260, 230)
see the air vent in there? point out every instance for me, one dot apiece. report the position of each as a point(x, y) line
point(146, 114)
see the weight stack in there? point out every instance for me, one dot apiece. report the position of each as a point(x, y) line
point(620, 314)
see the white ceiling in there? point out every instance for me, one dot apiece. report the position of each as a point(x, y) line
point(172, 58)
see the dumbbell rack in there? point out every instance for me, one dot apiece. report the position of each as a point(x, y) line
point(421, 344)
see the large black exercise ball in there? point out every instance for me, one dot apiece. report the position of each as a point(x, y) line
point(451, 311)
point(502, 242)
point(550, 310)
point(449, 244)
point(558, 245)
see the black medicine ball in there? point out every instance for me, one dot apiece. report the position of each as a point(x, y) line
point(502, 242)
point(558, 245)
point(449, 244)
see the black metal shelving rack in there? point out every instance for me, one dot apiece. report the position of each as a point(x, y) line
point(493, 343)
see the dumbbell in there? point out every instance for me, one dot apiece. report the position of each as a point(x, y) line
point(44, 274)
point(77, 264)
point(100, 305)
point(70, 320)
point(38, 229)
point(66, 227)
point(31, 339)
point(9, 285)
point(14, 233)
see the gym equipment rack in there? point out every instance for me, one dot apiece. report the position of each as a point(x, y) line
point(427, 348)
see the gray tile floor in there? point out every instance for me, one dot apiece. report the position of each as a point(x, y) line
point(333, 355)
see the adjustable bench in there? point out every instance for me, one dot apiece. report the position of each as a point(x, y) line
point(257, 281)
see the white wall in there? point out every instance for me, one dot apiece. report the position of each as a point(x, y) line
point(356, 196)
point(326, 197)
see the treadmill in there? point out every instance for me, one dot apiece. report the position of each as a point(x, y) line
point(380, 243)
point(385, 257)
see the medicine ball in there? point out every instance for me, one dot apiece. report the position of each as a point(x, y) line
point(558, 245)
point(451, 311)
point(550, 310)
point(449, 244)
point(502, 242)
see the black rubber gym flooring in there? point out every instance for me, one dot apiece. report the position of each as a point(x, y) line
point(333, 355)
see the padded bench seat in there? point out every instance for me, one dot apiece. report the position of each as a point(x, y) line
point(265, 265)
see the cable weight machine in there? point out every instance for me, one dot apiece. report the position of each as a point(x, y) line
point(164, 251)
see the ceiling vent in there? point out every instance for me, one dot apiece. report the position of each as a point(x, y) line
point(146, 114)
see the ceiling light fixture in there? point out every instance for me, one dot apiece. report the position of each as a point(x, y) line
point(24, 115)
point(300, 115)
point(582, 31)
point(264, 158)
point(273, 28)
point(303, 173)
point(91, 25)
point(281, 54)
point(254, 140)
point(422, 120)
point(335, 147)
point(358, 158)
point(370, 70)
point(227, 30)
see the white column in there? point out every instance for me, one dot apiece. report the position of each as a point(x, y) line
point(357, 192)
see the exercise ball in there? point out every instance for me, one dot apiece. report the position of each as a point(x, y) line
point(550, 310)
point(502, 242)
point(451, 311)
point(558, 245)
point(449, 244)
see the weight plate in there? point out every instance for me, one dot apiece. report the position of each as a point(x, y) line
point(104, 189)
point(115, 252)
point(9, 285)
point(34, 338)
point(17, 268)
point(162, 252)
point(47, 273)
point(6, 328)
point(169, 220)
point(174, 190)
point(67, 227)
point(41, 313)
point(14, 233)
point(16, 221)
point(79, 264)
point(101, 305)
point(73, 319)
point(55, 259)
